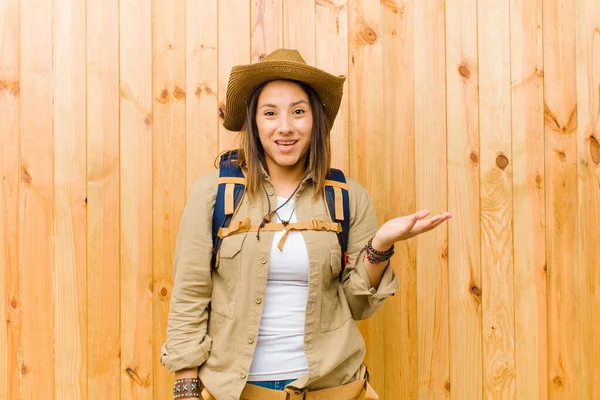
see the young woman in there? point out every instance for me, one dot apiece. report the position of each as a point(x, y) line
point(273, 318)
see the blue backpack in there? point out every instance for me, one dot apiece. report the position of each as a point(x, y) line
point(232, 184)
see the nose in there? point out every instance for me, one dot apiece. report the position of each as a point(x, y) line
point(285, 125)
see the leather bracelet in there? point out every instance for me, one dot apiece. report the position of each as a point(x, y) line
point(188, 387)
point(388, 253)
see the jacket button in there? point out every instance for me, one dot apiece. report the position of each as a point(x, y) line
point(263, 261)
point(258, 300)
point(242, 375)
point(250, 340)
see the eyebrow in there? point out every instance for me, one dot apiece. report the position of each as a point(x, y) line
point(291, 105)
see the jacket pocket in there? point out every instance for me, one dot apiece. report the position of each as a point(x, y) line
point(226, 276)
point(334, 307)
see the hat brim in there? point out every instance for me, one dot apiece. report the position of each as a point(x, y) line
point(244, 79)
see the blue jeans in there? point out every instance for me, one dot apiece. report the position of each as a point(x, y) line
point(273, 385)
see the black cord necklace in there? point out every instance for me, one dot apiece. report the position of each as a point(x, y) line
point(267, 218)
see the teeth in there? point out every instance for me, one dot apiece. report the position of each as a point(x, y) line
point(286, 143)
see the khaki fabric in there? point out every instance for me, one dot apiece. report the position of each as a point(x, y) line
point(215, 313)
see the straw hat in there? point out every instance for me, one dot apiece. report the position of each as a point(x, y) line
point(280, 64)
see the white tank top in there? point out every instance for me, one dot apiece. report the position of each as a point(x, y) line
point(279, 352)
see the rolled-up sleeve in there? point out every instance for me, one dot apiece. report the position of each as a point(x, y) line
point(363, 299)
point(188, 344)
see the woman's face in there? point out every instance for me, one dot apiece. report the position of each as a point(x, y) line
point(284, 120)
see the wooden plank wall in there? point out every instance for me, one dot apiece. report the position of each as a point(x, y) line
point(109, 111)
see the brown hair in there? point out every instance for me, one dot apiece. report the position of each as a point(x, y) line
point(252, 154)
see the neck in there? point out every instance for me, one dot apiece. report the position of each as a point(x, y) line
point(285, 180)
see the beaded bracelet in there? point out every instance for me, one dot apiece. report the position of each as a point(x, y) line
point(377, 257)
point(186, 388)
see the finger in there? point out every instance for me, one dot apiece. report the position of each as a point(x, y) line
point(421, 214)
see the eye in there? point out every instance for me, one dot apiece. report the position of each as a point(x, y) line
point(269, 113)
point(299, 111)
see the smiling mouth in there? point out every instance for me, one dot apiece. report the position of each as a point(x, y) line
point(286, 143)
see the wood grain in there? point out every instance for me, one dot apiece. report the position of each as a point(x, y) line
point(266, 28)
point(10, 293)
point(202, 66)
point(70, 195)
point(299, 28)
point(588, 136)
point(400, 312)
point(431, 193)
point(464, 263)
point(135, 200)
point(560, 118)
point(527, 116)
point(234, 49)
point(331, 25)
point(103, 229)
point(168, 167)
point(497, 260)
point(367, 142)
point(36, 211)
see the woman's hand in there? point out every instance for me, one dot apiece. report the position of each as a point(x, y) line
point(406, 227)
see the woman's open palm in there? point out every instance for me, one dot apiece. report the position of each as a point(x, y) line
point(409, 226)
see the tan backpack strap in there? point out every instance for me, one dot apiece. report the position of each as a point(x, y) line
point(244, 225)
point(339, 205)
point(338, 198)
point(233, 180)
point(229, 200)
point(337, 184)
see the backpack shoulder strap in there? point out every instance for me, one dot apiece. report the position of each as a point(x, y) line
point(338, 203)
point(232, 185)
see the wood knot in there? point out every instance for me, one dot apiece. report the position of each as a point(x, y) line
point(595, 150)
point(369, 35)
point(26, 177)
point(148, 121)
point(136, 378)
point(179, 94)
point(502, 161)
point(15, 90)
point(447, 386)
point(262, 57)
point(24, 369)
point(164, 96)
point(474, 157)
point(163, 292)
point(538, 179)
point(557, 380)
point(464, 71)
point(221, 110)
point(13, 303)
point(475, 290)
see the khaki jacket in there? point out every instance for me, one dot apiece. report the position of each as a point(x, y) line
point(215, 313)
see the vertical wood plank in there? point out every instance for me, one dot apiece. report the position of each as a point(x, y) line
point(168, 163)
point(529, 208)
point(331, 52)
point(267, 28)
point(299, 28)
point(400, 311)
point(234, 49)
point(464, 270)
point(431, 193)
point(560, 116)
point(103, 239)
point(368, 141)
point(70, 195)
point(496, 200)
point(10, 294)
point(36, 247)
point(202, 123)
point(588, 137)
point(135, 44)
